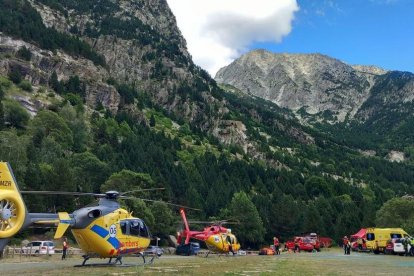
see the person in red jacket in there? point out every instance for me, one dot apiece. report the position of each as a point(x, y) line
point(65, 248)
point(277, 245)
point(347, 245)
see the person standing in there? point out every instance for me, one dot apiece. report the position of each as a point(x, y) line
point(276, 245)
point(346, 245)
point(359, 242)
point(297, 248)
point(405, 244)
point(65, 248)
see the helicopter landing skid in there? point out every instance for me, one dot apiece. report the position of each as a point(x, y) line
point(117, 262)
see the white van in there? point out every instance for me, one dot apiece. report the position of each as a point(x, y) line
point(39, 247)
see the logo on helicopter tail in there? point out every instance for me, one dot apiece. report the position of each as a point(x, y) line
point(5, 183)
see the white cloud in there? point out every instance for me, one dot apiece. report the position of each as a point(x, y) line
point(218, 31)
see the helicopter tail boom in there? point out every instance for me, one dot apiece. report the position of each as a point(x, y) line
point(187, 227)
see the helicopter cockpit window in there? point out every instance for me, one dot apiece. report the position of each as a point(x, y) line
point(124, 227)
point(138, 228)
point(234, 240)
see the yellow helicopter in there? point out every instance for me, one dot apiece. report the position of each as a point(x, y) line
point(102, 230)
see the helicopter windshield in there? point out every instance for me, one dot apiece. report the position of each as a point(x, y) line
point(134, 227)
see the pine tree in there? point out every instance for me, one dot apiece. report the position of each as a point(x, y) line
point(250, 231)
point(15, 75)
point(1, 115)
point(152, 121)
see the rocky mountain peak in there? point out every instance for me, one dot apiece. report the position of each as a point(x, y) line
point(313, 83)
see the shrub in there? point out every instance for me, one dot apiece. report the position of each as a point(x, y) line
point(15, 114)
point(26, 85)
point(15, 76)
point(24, 53)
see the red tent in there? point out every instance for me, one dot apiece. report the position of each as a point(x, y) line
point(361, 234)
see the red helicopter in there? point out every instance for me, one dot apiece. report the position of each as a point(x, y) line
point(218, 239)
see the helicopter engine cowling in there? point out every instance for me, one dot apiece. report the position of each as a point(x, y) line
point(12, 208)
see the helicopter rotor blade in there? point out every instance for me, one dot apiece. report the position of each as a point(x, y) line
point(221, 222)
point(141, 190)
point(153, 200)
point(62, 193)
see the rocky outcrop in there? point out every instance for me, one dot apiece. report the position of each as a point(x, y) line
point(396, 156)
point(148, 52)
point(43, 63)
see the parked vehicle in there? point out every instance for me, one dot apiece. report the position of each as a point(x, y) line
point(191, 248)
point(300, 244)
point(325, 242)
point(314, 239)
point(154, 250)
point(39, 247)
point(241, 253)
point(389, 248)
point(399, 246)
point(377, 238)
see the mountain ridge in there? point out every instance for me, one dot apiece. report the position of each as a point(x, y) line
point(322, 90)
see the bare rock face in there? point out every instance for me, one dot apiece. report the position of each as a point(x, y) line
point(396, 156)
point(310, 83)
point(148, 52)
point(232, 132)
point(43, 63)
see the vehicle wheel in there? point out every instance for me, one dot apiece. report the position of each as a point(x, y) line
point(37, 252)
point(376, 252)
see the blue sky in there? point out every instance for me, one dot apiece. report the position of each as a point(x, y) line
point(367, 32)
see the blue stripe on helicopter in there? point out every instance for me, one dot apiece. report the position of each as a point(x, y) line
point(115, 243)
point(100, 231)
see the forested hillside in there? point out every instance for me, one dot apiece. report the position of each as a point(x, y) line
point(210, 149)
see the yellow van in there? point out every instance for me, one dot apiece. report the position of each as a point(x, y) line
point(377, 238)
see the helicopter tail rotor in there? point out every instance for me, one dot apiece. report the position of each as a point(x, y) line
point(64, 222)
point(12, 208)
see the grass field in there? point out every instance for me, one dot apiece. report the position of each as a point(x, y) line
point(331, 262)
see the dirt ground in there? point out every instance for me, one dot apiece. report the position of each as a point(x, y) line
point(328, 262)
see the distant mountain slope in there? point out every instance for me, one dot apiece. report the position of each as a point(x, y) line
point(320, 89)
